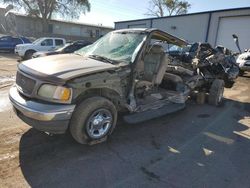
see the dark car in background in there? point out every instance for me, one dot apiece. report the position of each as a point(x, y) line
point(8, 43)
point(68, 48)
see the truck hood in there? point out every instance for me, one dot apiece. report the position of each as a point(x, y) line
point(63, 67)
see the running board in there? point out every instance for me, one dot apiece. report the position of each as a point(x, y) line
point(138, 117)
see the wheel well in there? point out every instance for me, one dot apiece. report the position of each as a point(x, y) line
point(110, 94)
point(30, 50)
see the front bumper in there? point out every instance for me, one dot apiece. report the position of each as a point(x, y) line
point(19, 53)
point(52, 118)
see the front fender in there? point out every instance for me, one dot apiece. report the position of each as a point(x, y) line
point(99, 82)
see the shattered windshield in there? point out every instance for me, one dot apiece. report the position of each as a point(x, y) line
point(116, 46)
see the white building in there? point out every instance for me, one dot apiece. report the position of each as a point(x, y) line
point(32, 27)
point(215, 27)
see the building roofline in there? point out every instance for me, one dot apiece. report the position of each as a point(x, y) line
point(83, 24)
point(70, 22)
point(190, 14)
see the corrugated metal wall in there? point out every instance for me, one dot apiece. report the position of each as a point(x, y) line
point(203, 27)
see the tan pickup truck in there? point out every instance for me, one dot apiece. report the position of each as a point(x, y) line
point(125, 71)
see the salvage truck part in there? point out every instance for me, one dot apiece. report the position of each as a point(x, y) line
point(243, 59)
point(125, 71)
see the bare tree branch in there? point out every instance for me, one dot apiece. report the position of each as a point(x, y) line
point(172, 7)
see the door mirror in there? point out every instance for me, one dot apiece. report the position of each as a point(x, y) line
point(235, 37)
point(236, 40)
point(42, 43)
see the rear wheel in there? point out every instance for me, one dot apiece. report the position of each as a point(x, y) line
point(93, 120)
point(216, 92)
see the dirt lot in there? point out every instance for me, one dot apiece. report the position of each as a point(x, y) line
point(201, 146)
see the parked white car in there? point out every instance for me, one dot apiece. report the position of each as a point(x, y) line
point(25, 51)
point(243, 61)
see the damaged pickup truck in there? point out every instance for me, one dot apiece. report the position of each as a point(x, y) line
point(125, 71)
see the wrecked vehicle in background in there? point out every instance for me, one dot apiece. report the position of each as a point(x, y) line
point(125, 71)
point(215, 63)
point(243, 59)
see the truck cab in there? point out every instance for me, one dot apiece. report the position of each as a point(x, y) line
point(125, 71)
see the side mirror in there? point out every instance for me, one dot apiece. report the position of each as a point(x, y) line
point(236, 40)
point(42, 43)
point(235, 36)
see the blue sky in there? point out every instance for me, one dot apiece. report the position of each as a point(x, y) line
point(109, 11)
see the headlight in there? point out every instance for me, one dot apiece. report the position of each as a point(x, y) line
point(57, 93)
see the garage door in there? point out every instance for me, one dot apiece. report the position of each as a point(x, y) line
point(234, 25)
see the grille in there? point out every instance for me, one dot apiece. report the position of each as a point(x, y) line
point(26, 84)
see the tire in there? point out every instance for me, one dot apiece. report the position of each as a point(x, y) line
point(216, 92)
point(89, 111)
point(28, 54)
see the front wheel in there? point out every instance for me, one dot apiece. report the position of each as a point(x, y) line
point(93, 120)
point(28, 54)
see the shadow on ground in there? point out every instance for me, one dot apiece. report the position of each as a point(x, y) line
point(7, 54)
point(246, 75)
point(202, 146)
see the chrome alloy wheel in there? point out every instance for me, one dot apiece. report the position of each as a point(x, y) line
point(99, 123)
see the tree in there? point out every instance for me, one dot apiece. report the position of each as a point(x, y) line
point(173, 7)
point(177, 7)
point(156, 8)
point(45, 9)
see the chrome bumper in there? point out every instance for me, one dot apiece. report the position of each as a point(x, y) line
point(40, 111)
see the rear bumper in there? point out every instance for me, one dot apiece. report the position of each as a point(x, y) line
point(52, 118)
